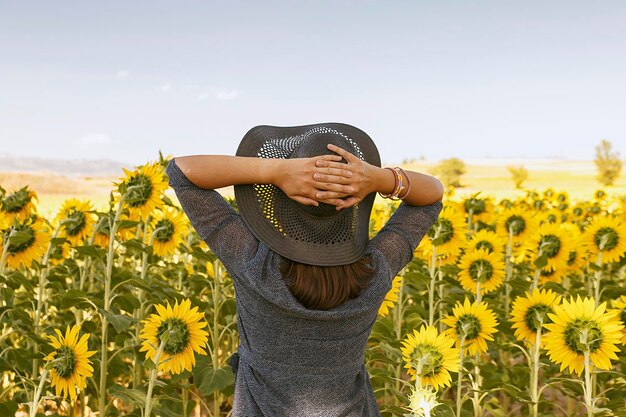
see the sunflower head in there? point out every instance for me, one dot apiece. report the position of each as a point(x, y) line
point(471, 324)
point(76, 220)
point(27, 241)
point(169, 228)
point(552, 243)
point(579, 327)
point(68, 362)
point(430, 355)
point(180, 327)
point(481, 269)
point(517, 222)
point(142, 189)
point(605, 236)
point(487, 240)
point(481, 209)
point(530, 313)
point(446, 236)
point(422, 400)
point(19, 205)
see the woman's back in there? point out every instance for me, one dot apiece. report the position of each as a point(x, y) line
point(294, 361)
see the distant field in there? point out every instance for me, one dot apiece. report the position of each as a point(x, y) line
point(490, 177)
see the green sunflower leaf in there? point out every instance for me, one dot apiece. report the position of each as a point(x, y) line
point(130, 395)
point(118, 321)
point(17, 238)
point(209, 379)
point(91, 251)
point(541, 261)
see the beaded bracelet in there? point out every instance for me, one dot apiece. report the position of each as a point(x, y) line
point(395, 185)
point(408, 187)
point(398, 173)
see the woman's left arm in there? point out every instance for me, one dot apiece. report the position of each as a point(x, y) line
point(195, 178)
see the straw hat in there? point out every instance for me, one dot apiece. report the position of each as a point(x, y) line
point(307, 234)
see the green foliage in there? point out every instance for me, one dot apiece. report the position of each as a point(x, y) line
point(519, 175)
point(608, 163)
point(449, 172)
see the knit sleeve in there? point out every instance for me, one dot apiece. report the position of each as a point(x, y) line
point(217, 223)
point(402, 233)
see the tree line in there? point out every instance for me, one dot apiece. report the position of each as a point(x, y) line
point(608, 164)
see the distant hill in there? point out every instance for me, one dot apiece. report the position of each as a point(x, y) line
point(69, 167)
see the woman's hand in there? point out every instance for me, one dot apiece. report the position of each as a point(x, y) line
point(295, 178)
point(344, 185)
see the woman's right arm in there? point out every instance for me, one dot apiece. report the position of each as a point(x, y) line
point(365, 179)
point(410, 222)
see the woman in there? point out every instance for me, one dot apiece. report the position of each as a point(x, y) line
point(308, 280)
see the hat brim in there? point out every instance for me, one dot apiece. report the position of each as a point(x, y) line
point(326, 252)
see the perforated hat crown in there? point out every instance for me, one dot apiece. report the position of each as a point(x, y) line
point(312, 235)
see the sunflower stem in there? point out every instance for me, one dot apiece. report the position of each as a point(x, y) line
point(459, 378)
point(37, 395)
point(107, 301)
point(509, 271)
point(185, 397)
point(40, 292)
point(215, 334)
point(478, 412)
point(153, 374)
point(589, 402)
point(597, 279)
point(431, 288)
point(534, 377)
point(139, 313)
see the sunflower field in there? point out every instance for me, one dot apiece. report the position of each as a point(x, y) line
point(510, 307)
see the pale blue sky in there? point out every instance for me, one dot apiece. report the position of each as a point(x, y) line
point(472, 79)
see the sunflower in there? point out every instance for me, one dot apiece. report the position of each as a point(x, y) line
point(447, 234)
point(605, 235)
point(530, 312)
point(552, 241)
point(578, 327)
point(71, 365)
point(488, 240)
point(554, 215)
point(144, 187)
point(521, 222)
point(185, 335)
point(620, 307)
point(169, 228)
point(29, 241)
point(475, 322)
point(391, 298)
point(481, 266)
point(481, 208)
point(77, 221)
point(19, 205)
point(600, 195)
point(422, 400)
point(432, 353)
point(578, 212)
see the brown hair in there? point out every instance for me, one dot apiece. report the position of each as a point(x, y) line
point(326, 287)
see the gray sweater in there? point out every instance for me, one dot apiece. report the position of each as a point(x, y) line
point(293, 361)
